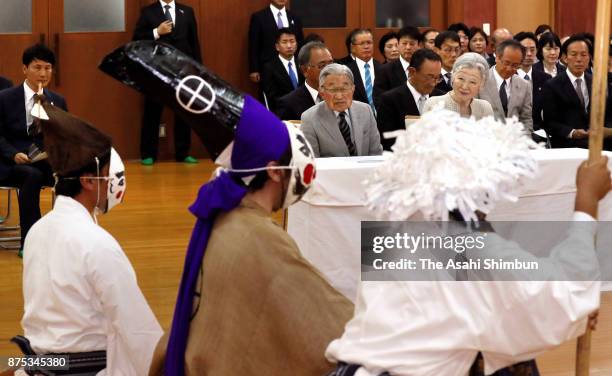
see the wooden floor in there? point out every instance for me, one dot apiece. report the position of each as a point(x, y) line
point(153, 226)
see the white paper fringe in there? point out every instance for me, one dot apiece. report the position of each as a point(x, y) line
point(445, 162)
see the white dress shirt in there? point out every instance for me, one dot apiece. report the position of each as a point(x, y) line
point(583, 86)
point(172, 13)
point(416, 95)
point(286, 65)
point(522, 74)
point(499, 80)
point(283, 13)
point(314, 93)
point(412, 328)
point(29, 103)
point(405, 65)
point(443, 72)
point(361, 65)
point(81, 294)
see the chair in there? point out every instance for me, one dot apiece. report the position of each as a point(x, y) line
point(4, 219)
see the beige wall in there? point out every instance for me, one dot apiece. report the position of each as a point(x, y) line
point(524, 15)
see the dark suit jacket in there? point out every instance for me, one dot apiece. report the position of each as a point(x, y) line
point(491, 60)
point(276, 82)
point(360, 92)
point(539, 66)
point(14, 137)
point(262, 35)
point(538, 79)
point(563, 112)
point(392, 75)
point(5, 83)
point(345, 60)
point(184, 36)
point(292, 105)
point(393, 107)
point(443, 86)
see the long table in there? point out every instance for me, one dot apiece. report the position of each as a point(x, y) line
point(326, 223)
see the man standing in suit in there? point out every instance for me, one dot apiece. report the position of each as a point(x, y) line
point(175, 24)
point(280, 75)
point(508, 94)
point(535, 77)
point(339, 126)
point(263, 30)
point(5, 83)
point(17, 134)
point(448, 46)
point(395, 74)
point(408, 99)
point(365, 69)
point(566, 98)
point(498, 36)
point(313, 57)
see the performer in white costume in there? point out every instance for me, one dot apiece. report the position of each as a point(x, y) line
point(80, 290)
point(457, 328)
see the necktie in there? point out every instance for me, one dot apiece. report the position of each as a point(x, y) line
point(29, 118)
point(346, 133)
point(368, 84)
point(503, 96)
point(292, 76)
point(579, 92)
point(448, 78)
point(422, 100)
point(279, 20)
point(527, 77)
point(167, 13)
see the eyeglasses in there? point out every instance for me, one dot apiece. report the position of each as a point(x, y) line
point(448, 50)
point(338, 90)
point(508, 64)
point(364, 43)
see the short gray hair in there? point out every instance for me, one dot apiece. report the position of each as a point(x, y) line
point(335, 69)
point(471, 60)
point(306, 52)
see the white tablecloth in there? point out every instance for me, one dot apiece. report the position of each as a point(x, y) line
point(326, 223)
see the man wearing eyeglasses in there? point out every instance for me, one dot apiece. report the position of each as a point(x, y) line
point(313, 57)
point(509, 94)
point(447, 45)
point(365, 69)
point(340, 126)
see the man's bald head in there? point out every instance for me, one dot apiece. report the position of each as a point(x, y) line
point(500, 35)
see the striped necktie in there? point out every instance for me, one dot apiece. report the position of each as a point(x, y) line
point(368, 83)
point(345, 130)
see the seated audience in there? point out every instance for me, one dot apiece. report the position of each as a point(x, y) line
point(280, 76)
point(408, 99)
point(549, 47)
point(478, 42)
point(396, 73)
point(429, 38)
point(5, 83)
point(389, 47)
point(536, 77)
point(498, 36)
point(365, 69)
point(508, 94)
point(469, 75)
point(313, 57)
point(567, 98)
point(18, 134)
point(340, 126)
point(447, 46)
point(464, 34)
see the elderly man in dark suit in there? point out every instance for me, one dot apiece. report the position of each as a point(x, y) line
point(365, 69)
point(313, 57)
point(566, 98)
point(18, 134)
point(175, 24)
point(408, 99)
point(5, 83)
point(339, 126)
point(281, 75)
point(263, 30)
point(395, 74)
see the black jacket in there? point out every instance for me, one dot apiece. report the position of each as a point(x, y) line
point(276, 82)
point(14, 137)
point(360, 92)
point(538, 79)
point(392, 75)
point(184, 36)
point(262, 35)
point(291, 106)
point(5, 83)
point(443, 86)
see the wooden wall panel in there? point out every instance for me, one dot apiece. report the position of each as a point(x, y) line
point(573, 16)
point(532, 13)
point(472, 12)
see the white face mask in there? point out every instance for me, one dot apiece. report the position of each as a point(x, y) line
point(116, 184)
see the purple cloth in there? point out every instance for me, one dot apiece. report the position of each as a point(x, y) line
point(260, 138)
